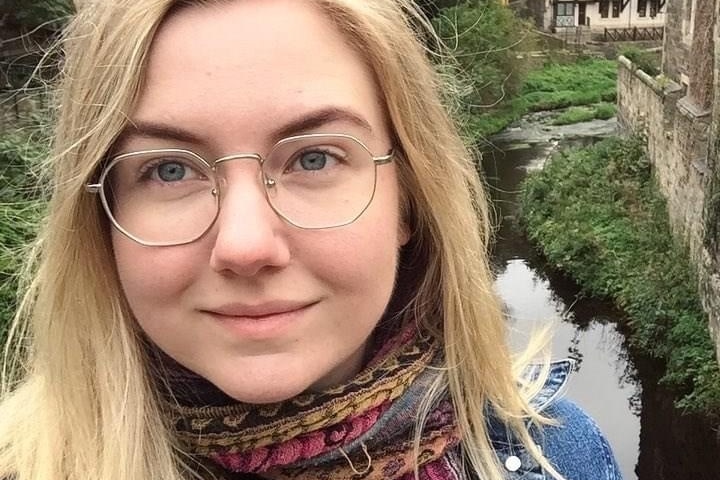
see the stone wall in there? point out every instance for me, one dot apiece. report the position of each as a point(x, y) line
point(700, 65)
point(675, 44)
point(710, 281)
point(677, 141)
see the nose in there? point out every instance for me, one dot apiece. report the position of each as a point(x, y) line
point(249, 236)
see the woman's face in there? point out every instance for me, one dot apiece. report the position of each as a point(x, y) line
point(262, 309)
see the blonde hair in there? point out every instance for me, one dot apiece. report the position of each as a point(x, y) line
point(78, 403)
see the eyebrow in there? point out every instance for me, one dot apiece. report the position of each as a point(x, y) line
point(144, 129)
point(304, 123)
point(319, 118)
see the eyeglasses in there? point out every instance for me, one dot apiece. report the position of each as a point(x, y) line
point(172, 196)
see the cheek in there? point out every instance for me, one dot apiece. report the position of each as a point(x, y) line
point(151, 276)
point(362, 256)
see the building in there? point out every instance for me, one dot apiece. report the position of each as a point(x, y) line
point(597, 15)
point(679, 114)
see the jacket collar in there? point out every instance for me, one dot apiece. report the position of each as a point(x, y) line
point(512, 454)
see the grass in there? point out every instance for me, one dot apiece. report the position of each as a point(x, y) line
point(597, 215)
point(587, 81)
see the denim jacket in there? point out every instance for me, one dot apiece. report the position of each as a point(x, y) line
point(575, 447)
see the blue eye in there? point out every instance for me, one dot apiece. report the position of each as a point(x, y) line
point(170, 171)
point(313, 160)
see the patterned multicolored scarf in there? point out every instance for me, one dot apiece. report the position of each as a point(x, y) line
point(362, 430)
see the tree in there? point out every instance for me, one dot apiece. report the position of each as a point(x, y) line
point(485, 36)
point(433, 7)
point(26, 29)
point(24, 16)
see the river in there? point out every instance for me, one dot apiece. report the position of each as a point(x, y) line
point(616, 386)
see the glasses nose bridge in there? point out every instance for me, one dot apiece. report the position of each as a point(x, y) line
point(239, 156)
point(266, 181)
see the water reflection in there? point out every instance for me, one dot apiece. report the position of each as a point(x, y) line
point(581, 330)
point(599, 385)
point(651, 440)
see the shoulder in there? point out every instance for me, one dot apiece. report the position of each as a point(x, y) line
point(573, 443)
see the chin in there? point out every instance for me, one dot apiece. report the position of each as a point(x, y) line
point(275, 379)
point(265, 393)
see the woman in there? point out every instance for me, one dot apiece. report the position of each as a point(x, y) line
point(265, 257)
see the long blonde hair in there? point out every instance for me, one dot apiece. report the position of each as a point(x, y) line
point(77, 401)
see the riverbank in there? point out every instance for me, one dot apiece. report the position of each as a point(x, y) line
point(502, 70)
point(576, 92)
point(597, 215)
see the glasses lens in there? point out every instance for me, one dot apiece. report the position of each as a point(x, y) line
point(320, 181)
point(161, 197)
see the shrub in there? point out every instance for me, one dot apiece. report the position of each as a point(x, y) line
point(575, 115)
point(605, 111)
point(648, 62)
point(597, 214)
point(21, 204)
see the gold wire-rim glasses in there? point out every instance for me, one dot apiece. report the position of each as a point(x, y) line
point(267, 182)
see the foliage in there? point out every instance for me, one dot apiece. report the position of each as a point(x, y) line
point(596, 213)
point(601, 111)
point(432, 7)
point(587, 81)
point(648, 62)
point(30, 15)
point(20, 209)
point(484, 37)
point(605, 110)
point(575, 115)
point(28, 29)
point(499, 84)
point(590, 81)
point(554, 86)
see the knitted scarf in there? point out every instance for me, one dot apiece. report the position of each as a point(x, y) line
point(362, 430)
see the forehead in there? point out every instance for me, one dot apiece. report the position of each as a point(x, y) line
point(236, 70)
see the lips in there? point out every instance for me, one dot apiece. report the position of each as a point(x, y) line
point(262, 322)
point(259, 310)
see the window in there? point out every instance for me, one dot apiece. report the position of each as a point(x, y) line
point(565, 9)
point(616, 8)
point(642, 8)
point(654, 7)
point(604, 7)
